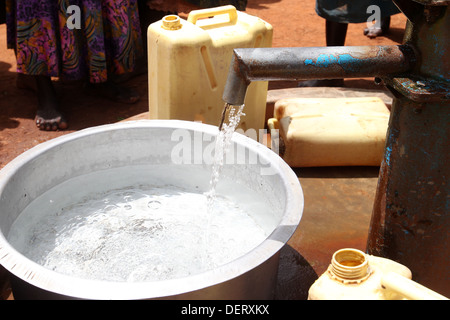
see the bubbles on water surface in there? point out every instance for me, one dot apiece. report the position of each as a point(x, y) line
point(137, 234)
point(154, 204)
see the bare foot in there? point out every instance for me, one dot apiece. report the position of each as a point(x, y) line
point(48, 117)
point(373, 32)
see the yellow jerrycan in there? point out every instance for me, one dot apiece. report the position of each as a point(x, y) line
point(188, 64)
point(321, 132)
point(354, 275)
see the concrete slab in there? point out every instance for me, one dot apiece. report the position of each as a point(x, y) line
point(337, 212)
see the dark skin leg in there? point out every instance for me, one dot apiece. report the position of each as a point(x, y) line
point(48, 117)
point(335, 33)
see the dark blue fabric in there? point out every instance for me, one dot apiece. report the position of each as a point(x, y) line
point(353, 11)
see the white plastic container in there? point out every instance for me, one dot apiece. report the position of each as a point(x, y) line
point(189, 61)
point(331, 131)
point(354, 275)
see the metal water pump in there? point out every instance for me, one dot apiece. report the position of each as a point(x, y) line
point(410, 219)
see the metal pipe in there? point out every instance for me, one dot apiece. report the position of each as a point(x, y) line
point(273, 64)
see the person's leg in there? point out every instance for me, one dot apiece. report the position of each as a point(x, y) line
point(335, 33)
point(48, 117)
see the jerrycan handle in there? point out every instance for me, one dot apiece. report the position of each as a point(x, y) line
point(210, 12)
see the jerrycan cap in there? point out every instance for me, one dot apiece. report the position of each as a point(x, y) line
point(349, 266)
point(171, 22)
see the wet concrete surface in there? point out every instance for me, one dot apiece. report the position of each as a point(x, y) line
point(337, 212)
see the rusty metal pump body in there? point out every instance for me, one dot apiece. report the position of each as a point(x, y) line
point(410, 219)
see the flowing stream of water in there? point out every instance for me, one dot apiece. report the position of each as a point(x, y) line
point(231, 116)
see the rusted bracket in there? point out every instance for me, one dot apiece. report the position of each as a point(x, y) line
point(420, 89)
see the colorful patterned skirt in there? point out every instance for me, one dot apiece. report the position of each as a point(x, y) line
point(102, 37)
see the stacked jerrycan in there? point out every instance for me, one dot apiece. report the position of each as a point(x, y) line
point(188, 64)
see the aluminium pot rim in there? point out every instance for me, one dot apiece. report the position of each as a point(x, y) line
point(49, 280)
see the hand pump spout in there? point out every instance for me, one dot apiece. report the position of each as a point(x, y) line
point(275, 64)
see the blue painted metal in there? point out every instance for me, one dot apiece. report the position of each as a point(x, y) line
point(252, 64)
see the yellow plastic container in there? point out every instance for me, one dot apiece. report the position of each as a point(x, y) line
point(331, 131)
point(354, 275)
point(188, 64)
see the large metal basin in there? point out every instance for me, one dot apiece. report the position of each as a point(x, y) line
point(252, 276)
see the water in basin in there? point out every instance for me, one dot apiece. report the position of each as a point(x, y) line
point(125, 224)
